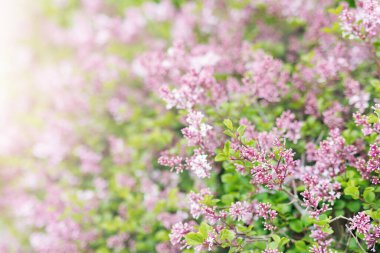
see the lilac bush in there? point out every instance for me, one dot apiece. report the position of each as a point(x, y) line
point(198, 126)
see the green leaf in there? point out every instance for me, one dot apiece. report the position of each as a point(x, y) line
point(221, 157)
point(369, 195)
point(375, 215)
point(227, 235)
point(228, 124)
point(227, 199)
point(372, 119)
point(283, 241)
point(241, 130)
point(354, 206)
point(228, 132)
point(228, 178)
point(278, 241)
point(226, 148)
point(209, 200)
point(194, 239)
point(352, 191)
point(272, 245)
point(204, 229)
point(339, 213)
point(296, 225)
point(327, 230)
point(321, 222)
point(243, 229)
point(339, 204)
point(276, 238)
point(301, 246)
point(336, 11)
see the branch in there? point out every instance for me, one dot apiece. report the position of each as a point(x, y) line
point(295, 201)
point(356, 239)
point(340, 217)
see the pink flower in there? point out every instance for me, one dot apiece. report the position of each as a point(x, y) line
point(290, 127)
point(197, 132)
point(361, 22)
point(264, 210)
point(116, 241)
point(311, 104)
point(356, 96)
point(175, 162)
point(270, 251)
point(179, 230)
point(361, 222)
point(265, 78)
point(241, 211)
point(89, 160)
point(367, 169)
point(332, 117)
point(120, 153)
point(199, 165)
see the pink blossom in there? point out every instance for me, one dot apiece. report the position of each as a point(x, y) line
point(361, 22)
point(179, 230)
point(356, 96)
point(264, 210)
point(311, 104)
point(241, 211)
point(197, 132)
point(116, 241)
point(362, 223)
point(369, 127)
point(270, 251)
point(169, 219)
point(89, 160)
point(332, 117)
point(291, 127)
point(175, 162)
point(120, 153)
point(199, 164)
point(265, 77)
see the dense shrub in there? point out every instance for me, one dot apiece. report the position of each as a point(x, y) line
point(194, 126)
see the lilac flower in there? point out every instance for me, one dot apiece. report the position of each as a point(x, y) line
point(241, 211)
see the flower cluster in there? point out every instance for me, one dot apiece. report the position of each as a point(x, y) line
point(220, 221)
point(370, 124)
point(363, 21)
point(192, 126)
point(362, 223)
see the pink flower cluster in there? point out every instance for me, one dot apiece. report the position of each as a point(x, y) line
point(179, 230)
point(320, 180)
point(319, 191)
point(101, 137)
point(265, 78)
point(356, 95)
point(198, 209)
point(362, 223)
point(289, 127)
point(362, 22)
point(371, 168)
point(364, 121)
point(270, 166)
point(322, 240)
point(197, 163)
point(197, 133)
point(264, 210)
point(332, 155)
point(333, 117)
point(239, 211)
